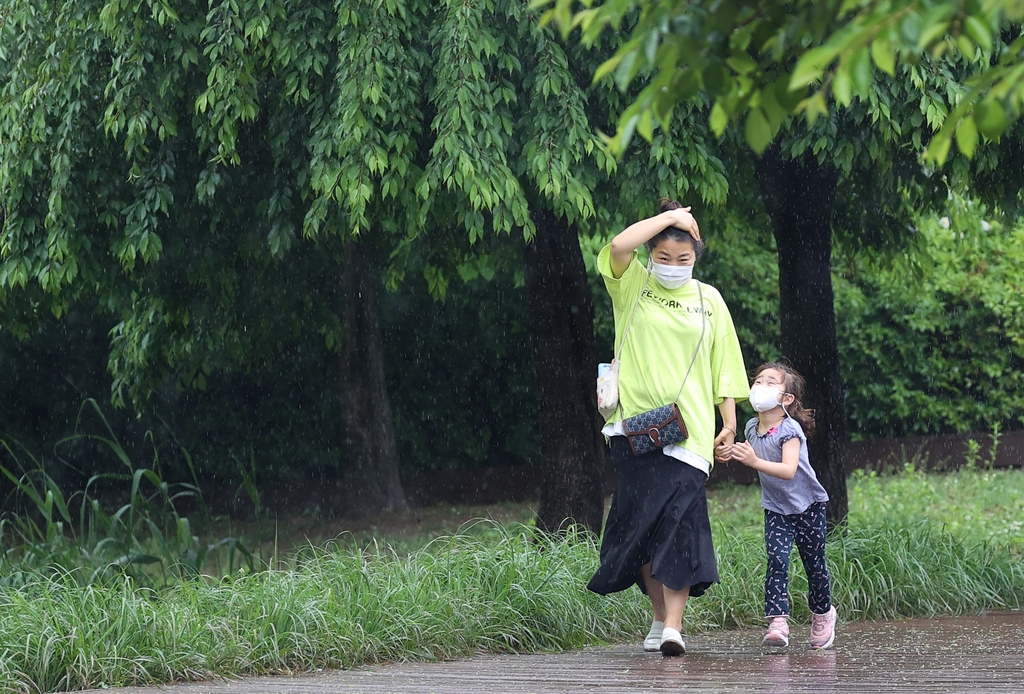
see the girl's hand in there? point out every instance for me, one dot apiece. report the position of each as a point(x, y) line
point(744, 453)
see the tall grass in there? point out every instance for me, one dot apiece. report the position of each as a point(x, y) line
point(145, 537)
point(492, 587)
point(976, 503)
point(519, 592)
point(917, 544)
point(973, 502)
point(522, 592)
point(877, 572)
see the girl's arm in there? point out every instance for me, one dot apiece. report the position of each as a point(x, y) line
point(639, 233)
point(785, 470)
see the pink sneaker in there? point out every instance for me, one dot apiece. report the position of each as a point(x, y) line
point(823, 629)
point(778, 633)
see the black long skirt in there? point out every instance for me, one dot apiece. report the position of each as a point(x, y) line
point(659, 515)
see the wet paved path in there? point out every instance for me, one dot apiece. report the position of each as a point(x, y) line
point(961, 656)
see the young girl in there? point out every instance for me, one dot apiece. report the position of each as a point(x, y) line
point(792, 497)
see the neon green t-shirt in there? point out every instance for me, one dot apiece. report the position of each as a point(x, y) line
point(661, 342)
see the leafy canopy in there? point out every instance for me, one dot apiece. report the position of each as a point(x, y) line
point(166, 161)
point(761, 61)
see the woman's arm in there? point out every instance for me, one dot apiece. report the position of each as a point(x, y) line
point(727, 435)
point(639, 233)
point(785, 470)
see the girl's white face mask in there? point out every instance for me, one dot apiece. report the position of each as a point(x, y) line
point(671, 276)
point(764, 398)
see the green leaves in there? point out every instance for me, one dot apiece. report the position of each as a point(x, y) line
point(967, 136)
point(980, 31)
point(884, 56)
point(758, 131)
point(719, 119)
point(362, 153)
point(166, 156)
point(469, 157)
point(990, 117)
point(560, 144)
point(735, 50)
point(811, 66)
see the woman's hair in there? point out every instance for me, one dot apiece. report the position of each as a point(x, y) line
point(675, 233)
point(794, 384)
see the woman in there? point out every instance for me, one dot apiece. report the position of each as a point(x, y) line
point(680, 344)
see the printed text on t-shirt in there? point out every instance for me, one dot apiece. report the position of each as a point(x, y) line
point(673, 304)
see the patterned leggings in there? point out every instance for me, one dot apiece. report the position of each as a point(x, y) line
point(808, 530)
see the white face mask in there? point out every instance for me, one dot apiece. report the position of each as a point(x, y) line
point(764, 398)
point(671, 276)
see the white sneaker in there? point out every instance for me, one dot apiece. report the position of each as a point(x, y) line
point(672, 642)
point(652, 644)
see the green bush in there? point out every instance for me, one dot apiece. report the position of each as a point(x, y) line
point(934, 341)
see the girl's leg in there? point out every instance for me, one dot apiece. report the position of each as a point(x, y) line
point(778, 541)
point(810, 529)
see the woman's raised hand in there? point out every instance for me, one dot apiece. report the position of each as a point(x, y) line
point(639, 233)
point(684, 220)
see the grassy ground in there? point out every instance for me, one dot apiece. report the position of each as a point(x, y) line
point(972, 503)
point(976, 503)
point(404, 531)
point(916, 545)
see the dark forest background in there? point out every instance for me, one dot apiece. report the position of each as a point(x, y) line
point(931, 343)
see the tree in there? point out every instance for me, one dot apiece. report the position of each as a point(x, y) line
point(519, 129)
point(368, 439)
point(846, 175)
point(756, 60)
point(170, 162)
point(159, 164)
point(853, 171)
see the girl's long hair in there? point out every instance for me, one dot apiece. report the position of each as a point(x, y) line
point(794, 384)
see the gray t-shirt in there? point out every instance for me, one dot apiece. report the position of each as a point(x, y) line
point(785, 496)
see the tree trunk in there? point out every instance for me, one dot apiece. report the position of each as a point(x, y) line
point(799, 196)
point(370, 480)
point(564, 366)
